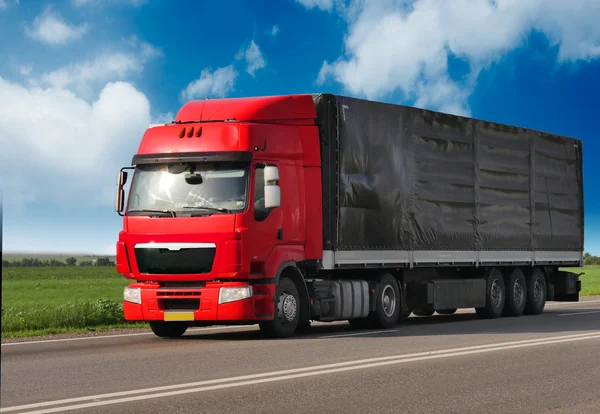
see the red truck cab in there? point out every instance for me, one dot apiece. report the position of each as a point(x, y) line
point(207, 232)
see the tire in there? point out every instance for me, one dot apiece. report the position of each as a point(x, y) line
point(428, 311)
point(446, 311)
point(168, 329)
point(516, 293)
point(495, 295)
point(536, 292)
point(286, 315)
point(388, 303)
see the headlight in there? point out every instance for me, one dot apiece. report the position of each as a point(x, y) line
point(234, 293)
point(132, 295)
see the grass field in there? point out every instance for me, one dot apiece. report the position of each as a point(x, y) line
point(52, 300)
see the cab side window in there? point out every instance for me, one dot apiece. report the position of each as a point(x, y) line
point(260, 212)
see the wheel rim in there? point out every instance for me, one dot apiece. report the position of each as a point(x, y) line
point(287, 307)
point(518, 292)
point(537, 291)
point(496, 294)
point(388, 300)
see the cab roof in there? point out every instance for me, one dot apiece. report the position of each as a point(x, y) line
point(258, 109)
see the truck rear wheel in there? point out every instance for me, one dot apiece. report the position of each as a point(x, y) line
point(495, 295)
point(536, 292)
point(387, 303)
point(287, 311)
point(168, 329)
point(516, 293)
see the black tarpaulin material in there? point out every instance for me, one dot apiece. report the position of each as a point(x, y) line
point(402, 178)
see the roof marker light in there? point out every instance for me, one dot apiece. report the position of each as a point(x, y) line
point(190, 132)
point(198, 132)
point(182, 132)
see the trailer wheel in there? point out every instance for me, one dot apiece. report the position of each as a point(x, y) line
point(388, 304)
point(168, 329)
point(446, 311)
point(516, 293)
point(495, 295)
point(428, 311)
point(536, 293)
point(287, 311)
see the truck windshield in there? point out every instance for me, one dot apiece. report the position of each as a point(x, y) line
point(188, 189)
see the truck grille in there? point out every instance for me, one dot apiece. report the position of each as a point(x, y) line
point(182, 285)
point(168, 262)
point(179, 304)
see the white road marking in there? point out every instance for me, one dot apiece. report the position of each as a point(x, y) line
point(359, 333)
point(582, 302)
point(208, 385)
point(578, 313)
point(45, 341)
point(551, 304)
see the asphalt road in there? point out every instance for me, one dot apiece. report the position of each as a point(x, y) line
point(458, 363)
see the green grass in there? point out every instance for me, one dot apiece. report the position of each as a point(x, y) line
point(56, 256)
point(50, 300)
point(54, 300)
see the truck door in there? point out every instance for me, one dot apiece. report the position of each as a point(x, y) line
point(267, 225)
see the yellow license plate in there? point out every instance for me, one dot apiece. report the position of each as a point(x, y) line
point(179, 316)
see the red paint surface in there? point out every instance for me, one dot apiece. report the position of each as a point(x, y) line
point(282, 129)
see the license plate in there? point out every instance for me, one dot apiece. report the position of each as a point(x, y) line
point(179, 316)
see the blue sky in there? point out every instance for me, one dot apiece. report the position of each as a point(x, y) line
point(80, 80)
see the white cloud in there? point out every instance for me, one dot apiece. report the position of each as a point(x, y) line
point(273, 31)
point(403, 47)
point(3, 4)
point(254, 58)
point(52, 29)
point(86, 77)
point(163, 118)
point(58, 148)
point(211, 84)
point(320, 4)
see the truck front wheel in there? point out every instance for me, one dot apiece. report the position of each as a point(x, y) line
point(286, 313)
point(168, 329)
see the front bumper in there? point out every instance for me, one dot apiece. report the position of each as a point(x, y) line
point(199, 304)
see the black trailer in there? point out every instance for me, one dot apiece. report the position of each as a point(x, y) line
point(437, 212)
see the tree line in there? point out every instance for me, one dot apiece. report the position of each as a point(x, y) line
point(590, 260)
point(69, 261)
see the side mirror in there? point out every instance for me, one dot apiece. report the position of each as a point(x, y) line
point(121, 179)
point(120, 200)
point(272, 190)
point(272, 196)
point(271, 175)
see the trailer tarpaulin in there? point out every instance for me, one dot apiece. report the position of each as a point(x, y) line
point(403, 178)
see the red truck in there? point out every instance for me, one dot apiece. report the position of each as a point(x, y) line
point(283, 210)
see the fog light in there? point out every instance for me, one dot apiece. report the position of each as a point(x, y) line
point(132, 295)
point(233, 294)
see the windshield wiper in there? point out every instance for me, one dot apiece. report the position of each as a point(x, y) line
point(218, 209)
point(169, 212)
